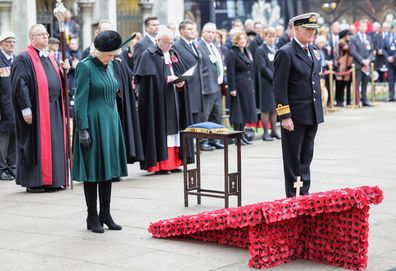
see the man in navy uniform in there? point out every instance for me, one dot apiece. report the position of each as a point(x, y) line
point(296, 86)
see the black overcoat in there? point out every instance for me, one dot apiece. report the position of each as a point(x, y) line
point(380, 59)
point(127, 55)
point(264, 61)
point(126, 105)
point(239, 75)
point(140, 47)
point(253, 46)
point(161, 111)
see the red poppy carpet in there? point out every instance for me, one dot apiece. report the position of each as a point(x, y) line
point(327, 227)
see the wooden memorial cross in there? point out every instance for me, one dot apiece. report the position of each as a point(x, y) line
point(297, 185)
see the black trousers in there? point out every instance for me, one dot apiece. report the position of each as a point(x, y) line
point(297, 151)
point(7, 152)
point(362, 80)
point(391, 80)
point(213, 108)
point(340, 91)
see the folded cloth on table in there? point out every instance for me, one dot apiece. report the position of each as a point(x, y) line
point(207, 128)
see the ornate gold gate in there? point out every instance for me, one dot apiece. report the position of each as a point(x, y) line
point(128, 17)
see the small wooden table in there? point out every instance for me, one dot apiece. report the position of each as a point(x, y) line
point(192, 177)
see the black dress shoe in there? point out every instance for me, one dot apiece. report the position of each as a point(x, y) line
point(366, 104)
point(35, 189)
point(267, 137)
point(217, 145)
point(6, 177)
point(11, 172)
point(162, 172)
point(206, 147)
point(275, 135)
point(391, 100)
point(177, 170)
point(53, 189)
point(247, 142)
point(116, 179)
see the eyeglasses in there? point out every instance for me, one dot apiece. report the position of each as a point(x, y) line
point(10, 41)
point(42, 34)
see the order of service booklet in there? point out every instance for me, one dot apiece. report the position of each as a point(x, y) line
point(187, 75)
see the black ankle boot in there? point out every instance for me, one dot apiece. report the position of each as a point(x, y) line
point(105, 218)
point(93, 224)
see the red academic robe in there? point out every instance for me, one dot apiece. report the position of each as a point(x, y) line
point(41, 146)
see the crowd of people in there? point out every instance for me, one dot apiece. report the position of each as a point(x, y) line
point(129, 106)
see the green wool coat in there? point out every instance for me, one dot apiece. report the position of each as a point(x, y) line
point(96, 110)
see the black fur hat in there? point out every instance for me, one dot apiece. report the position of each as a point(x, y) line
point(343, 33)
point(108, 41)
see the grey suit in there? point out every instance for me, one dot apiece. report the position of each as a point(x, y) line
point(359, 51)
point(189, 59)
point(211, 89)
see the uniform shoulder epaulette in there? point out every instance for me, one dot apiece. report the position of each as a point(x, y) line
point(282, 109)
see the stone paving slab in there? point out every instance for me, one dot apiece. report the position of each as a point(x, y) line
point(48, 231)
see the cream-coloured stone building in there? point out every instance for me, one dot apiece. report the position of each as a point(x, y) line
point(127, 15)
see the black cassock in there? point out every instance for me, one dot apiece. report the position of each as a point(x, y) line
point(126, 104)
point(28, 142)
point(162, 110)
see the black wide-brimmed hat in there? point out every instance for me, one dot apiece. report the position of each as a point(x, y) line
point(109, 40)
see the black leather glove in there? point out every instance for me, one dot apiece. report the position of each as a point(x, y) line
point(85, 140)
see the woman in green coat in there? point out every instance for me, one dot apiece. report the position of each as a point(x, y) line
point(99, 151)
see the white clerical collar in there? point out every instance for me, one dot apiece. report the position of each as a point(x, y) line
point(167, 58)
point(42, 52)
point(299, 43)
